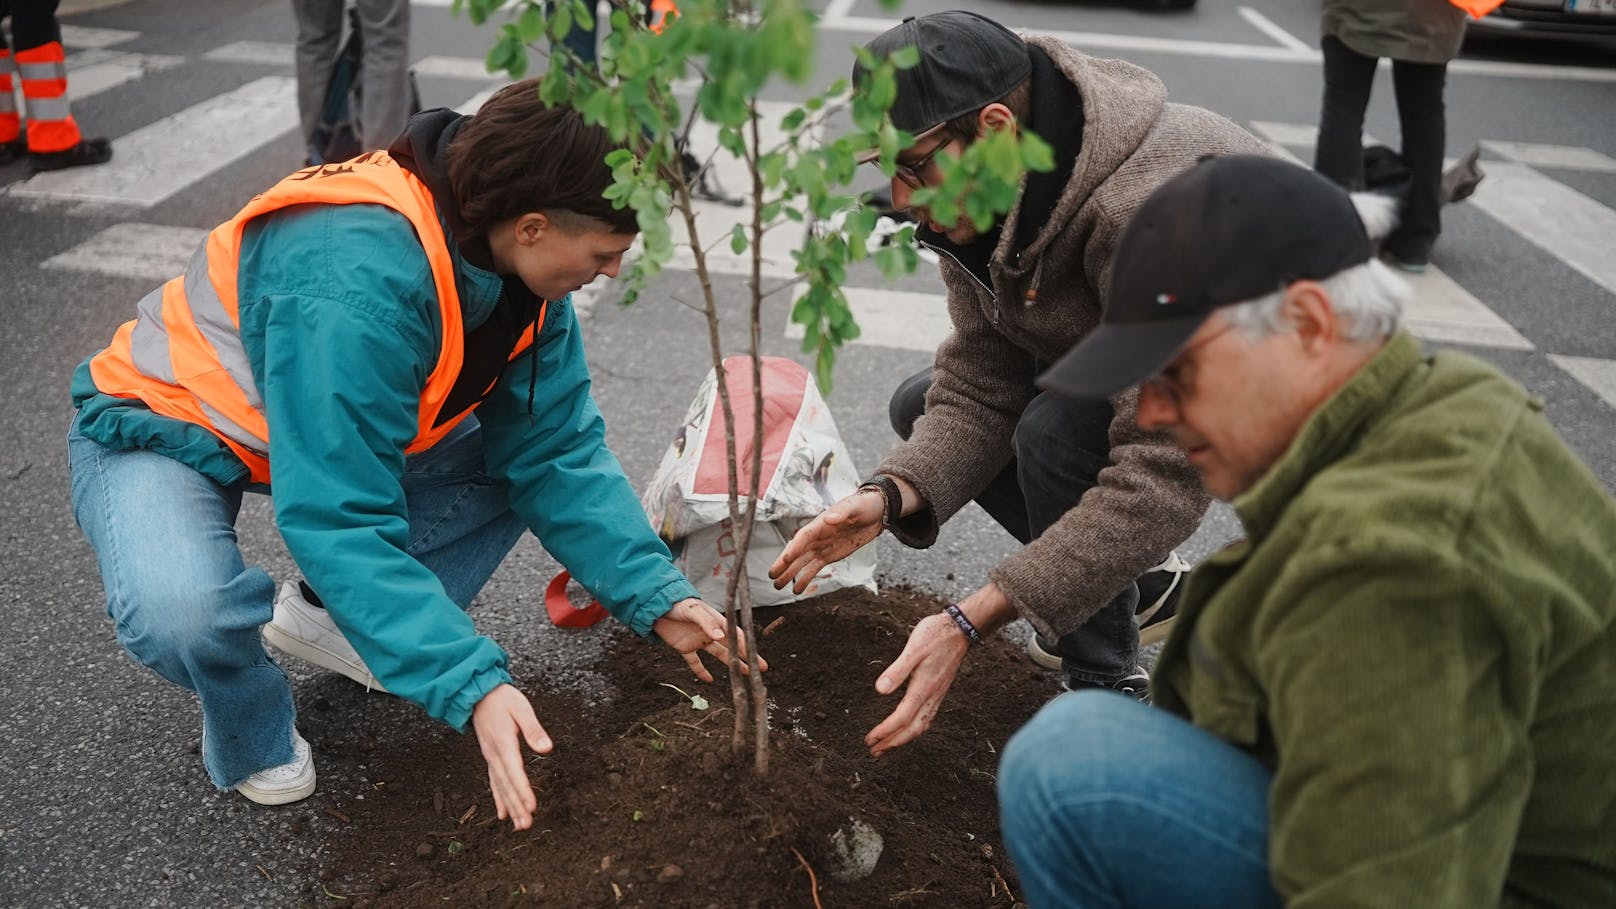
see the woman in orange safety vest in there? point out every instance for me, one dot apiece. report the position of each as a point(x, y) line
point(387, 347)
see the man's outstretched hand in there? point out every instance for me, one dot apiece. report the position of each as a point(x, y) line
point(835, 534)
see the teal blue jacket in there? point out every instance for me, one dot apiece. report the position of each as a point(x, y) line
point(340, 321)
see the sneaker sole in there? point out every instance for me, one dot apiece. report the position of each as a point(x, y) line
point(279, 796)
point(319, 656)
point(1041, 656)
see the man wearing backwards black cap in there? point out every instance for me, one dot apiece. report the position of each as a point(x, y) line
point(1019, 296)
point(1400, 688)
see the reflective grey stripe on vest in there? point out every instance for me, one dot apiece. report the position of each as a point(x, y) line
point(50, 69)
point(149, 347)
point(8, 104)
point(48, 108)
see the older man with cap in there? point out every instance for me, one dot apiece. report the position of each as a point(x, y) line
point(1097, 501)
point(1400, 688)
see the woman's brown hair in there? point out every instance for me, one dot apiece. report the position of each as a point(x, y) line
point(518, 154)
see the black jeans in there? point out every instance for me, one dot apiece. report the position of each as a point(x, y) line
point(1060, 445)
point(33, 23)
point(1348, 78)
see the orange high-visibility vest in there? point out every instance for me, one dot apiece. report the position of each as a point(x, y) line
point(51, 127)
point(10, 123)
point(182, 354)
point(662, 11)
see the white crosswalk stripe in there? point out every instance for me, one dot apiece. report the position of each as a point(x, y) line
point(1574, 228)
point(156, 252)
point(1598, 375)
point(158, 160)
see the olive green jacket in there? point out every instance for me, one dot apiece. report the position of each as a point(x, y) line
point(1418, 637)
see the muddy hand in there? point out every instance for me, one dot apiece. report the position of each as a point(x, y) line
point(503, 719)
point(929, 661)
point(837, 533)
point(692, 627)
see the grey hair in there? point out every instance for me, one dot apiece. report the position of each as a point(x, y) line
point(1369, 298)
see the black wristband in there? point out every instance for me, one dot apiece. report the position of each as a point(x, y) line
point(890, 494)
point(965, 626)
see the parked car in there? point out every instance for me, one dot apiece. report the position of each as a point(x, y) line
point(1561, 17)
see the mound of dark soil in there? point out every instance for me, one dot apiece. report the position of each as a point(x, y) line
point(642, 803)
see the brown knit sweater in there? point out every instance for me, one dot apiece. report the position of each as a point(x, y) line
point(1148, 500)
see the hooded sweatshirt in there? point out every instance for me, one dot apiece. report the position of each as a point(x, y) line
point(1041, 299)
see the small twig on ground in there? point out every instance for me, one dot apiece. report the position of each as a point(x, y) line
point(1007, 891)
point(265, 873)
point(916, 893)
point(331, 809)
point(469, 812)
point(769, 628)
point(813, 880)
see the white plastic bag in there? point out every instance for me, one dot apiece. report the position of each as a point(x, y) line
point(806, 467)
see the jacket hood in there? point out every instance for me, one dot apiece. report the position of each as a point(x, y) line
point(423, 150)
point(1121, 103)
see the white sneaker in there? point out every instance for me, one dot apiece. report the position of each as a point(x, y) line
point(306, 631)
point(285, 784)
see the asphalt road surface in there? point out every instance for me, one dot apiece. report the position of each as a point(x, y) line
point(103, 801)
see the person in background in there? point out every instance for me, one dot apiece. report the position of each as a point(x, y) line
point(1399, 689)
point(1419, 37)
point(387, 348)
point(38, 61)
point(384, 28)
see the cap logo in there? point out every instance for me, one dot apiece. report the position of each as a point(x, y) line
point(1166, 299)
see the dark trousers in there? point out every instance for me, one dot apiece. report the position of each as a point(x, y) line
point(1060, 445)
point(33, 23)
point(1348, 78)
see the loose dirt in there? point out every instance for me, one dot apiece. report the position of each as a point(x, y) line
point(642, 804)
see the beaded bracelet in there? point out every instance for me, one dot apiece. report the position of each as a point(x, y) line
point(965, 626)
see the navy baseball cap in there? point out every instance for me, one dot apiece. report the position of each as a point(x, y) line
point(1228, 230)
point(967, 62)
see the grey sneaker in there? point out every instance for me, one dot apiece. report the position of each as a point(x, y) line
point(290, 782)
point(306, 631)
point(1159, 590)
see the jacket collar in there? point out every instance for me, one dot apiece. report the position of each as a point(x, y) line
point(1329, 434)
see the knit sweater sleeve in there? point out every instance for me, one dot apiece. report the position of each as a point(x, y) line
point(980, 384)
point(1146, 501)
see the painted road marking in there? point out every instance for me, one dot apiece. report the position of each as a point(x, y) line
point(153, 251)
point(1560, 157)
point(162, 158)
point(1598, 375)
point(1565, 223)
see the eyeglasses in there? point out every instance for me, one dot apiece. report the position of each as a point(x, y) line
point(910, 173)
point(1176, 380)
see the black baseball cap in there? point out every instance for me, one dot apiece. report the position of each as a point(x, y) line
point(1228, 230)
point(967, 62)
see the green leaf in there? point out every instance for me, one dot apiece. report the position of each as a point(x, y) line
point(697, 702)
point(906, 57)
point(737, 243)
point(530, 25)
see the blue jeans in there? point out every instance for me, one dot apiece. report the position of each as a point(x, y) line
point(187, 606)
point(1060, 445)
point(1107, 802)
